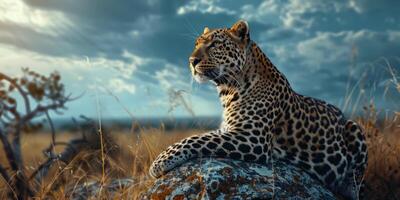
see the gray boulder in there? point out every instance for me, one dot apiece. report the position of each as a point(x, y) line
point(230, 179)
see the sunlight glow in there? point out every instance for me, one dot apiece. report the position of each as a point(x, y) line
point(17, 12)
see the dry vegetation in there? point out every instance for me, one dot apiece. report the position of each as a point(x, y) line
point(130, 155)
point(383, 172)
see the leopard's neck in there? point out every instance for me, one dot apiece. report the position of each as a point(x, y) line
point(259, 85)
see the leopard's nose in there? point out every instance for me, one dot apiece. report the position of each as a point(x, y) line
point(194, 61)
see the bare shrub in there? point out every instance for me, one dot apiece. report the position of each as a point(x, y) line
point(40, 95)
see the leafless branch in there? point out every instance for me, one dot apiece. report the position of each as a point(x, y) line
point(5, 175)
point(21, 184)
point(53, 131)
point(7, 178)
point(8, 151)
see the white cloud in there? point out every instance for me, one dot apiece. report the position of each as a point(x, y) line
point(324, 48)
point(328, 56)
point(294, 13)
point(267, 12)
point(145, 26)
point(203, 6)
point(171, 76)
point(127, 69)
point(329, 47)
point(119, 86)
point(287, 14)
point(80, 72)
point(363, 6)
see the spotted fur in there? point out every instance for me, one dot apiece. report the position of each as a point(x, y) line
point(264, 118)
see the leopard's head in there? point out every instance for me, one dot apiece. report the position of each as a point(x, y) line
point(220, 54)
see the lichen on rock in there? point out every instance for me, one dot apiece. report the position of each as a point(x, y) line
point(210, 178)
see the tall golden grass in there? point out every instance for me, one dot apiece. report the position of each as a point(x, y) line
point(131, 157)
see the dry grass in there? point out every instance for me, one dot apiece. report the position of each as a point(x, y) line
point(383, 172)
point(131, 158)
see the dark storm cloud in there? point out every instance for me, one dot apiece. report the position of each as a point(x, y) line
point(69, 41)
point(146, 28)
point(102, 27)
point(27, 38)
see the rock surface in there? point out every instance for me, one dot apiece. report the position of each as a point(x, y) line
point(94, 190)
point(230, 179)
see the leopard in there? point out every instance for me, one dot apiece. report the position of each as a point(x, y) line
point(265, 119)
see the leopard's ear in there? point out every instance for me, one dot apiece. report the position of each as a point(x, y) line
point(240, 30)
point(206, 30)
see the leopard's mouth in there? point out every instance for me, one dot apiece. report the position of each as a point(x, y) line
point(203, 73)
point(204, 68)
point(207, 72)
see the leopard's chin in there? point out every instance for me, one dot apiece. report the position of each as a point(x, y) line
point(201, 78)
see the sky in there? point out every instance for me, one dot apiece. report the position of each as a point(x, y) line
point(130, 58)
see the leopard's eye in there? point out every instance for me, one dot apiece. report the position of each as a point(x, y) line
point(214, 43)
